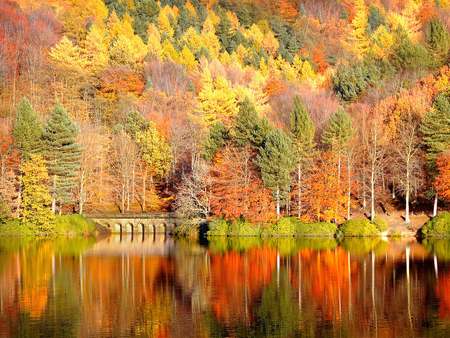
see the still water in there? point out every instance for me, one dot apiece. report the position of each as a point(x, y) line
point(154, 286)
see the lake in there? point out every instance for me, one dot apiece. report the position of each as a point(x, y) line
point(155, 286)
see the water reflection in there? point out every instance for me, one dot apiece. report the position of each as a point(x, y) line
point(153, 286)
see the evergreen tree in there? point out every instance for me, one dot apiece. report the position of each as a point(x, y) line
point(135, 122)
point(218, 135)
point(249, 129)
point(63, 154)
point(27, 130)
point(338, 131)
point(435, 128)
point(406, 54)
point(276, 159)
point(36, 199)
point(437, 41)
point(302, 132)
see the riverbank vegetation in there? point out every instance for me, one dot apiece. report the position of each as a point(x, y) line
point(320, 110)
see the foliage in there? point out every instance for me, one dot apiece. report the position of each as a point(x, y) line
point(218, 135)
point(62, 152)
point(380, 223)
point(15, 227)
point(5, 211)
point(27, 130)
point(36, 213)
point(438, 226)
point(285, 226)
point(350, 82)
point(358, 228)
point(277, 159)
point(73, 225)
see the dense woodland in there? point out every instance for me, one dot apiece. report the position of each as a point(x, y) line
point(248, 109)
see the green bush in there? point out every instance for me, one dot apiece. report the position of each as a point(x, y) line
point(438, 226)
point(15, 227)
point(286, 226)
point(218, 227)
point(320, 229)
point(380, 224)
point(73, 225)
point(358, 228)
point(243, 228)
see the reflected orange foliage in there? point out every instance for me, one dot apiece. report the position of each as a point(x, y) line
point(238, 280)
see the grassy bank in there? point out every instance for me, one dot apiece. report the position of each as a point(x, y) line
point(65, 225)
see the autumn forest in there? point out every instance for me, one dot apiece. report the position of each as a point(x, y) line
point(247, 109)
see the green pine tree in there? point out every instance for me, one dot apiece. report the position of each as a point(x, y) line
point(276, 159)
point(338, 131)
point(437, 41)
point(27, 130)
point(135, 122)
point(435, 128)
point(63, 154)
point(218, 135)
point(36, 199)
point(302, 133)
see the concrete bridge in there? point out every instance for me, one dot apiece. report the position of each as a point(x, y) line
point(155, 223)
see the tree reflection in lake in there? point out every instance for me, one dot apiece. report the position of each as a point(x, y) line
point(154, 286)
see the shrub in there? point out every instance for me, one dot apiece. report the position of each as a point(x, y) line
point(15, 227)
point(359, 228)
point(286, 226)
point(322, 229)
point(74, 225)
point(218, 227)
point(438, 226)
point(243, 228)
point(380, 224)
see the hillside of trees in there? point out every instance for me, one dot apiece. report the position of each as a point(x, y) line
point(240, 109)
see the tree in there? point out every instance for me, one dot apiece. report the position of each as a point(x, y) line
point(337, 134)
point(302, 133)
point(237, 188)
point(36, 200)
point(218, 135)
point(407, 163)
point(248, 128)
point(27, 130)
point(63, 154)
point(93, 157)
point(155, 152)
point(277, 159)
point(435, 128)
point(437, 41)
point(442, 181)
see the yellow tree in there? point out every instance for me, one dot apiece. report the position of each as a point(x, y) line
point(270, 43)
point(82, 12)
point(156, 153)
point(359, 41)
point(154, 48)
point(36, 200)
point(96, 50)
point(187, 59)
point(217, 101)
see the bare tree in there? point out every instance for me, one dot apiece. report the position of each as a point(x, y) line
point(408, 165)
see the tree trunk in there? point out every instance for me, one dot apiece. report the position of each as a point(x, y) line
point(54, 195)
point(299, 190)
point(278, 202)
point(372, 193)
point(435, 204)
point(407, 194)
